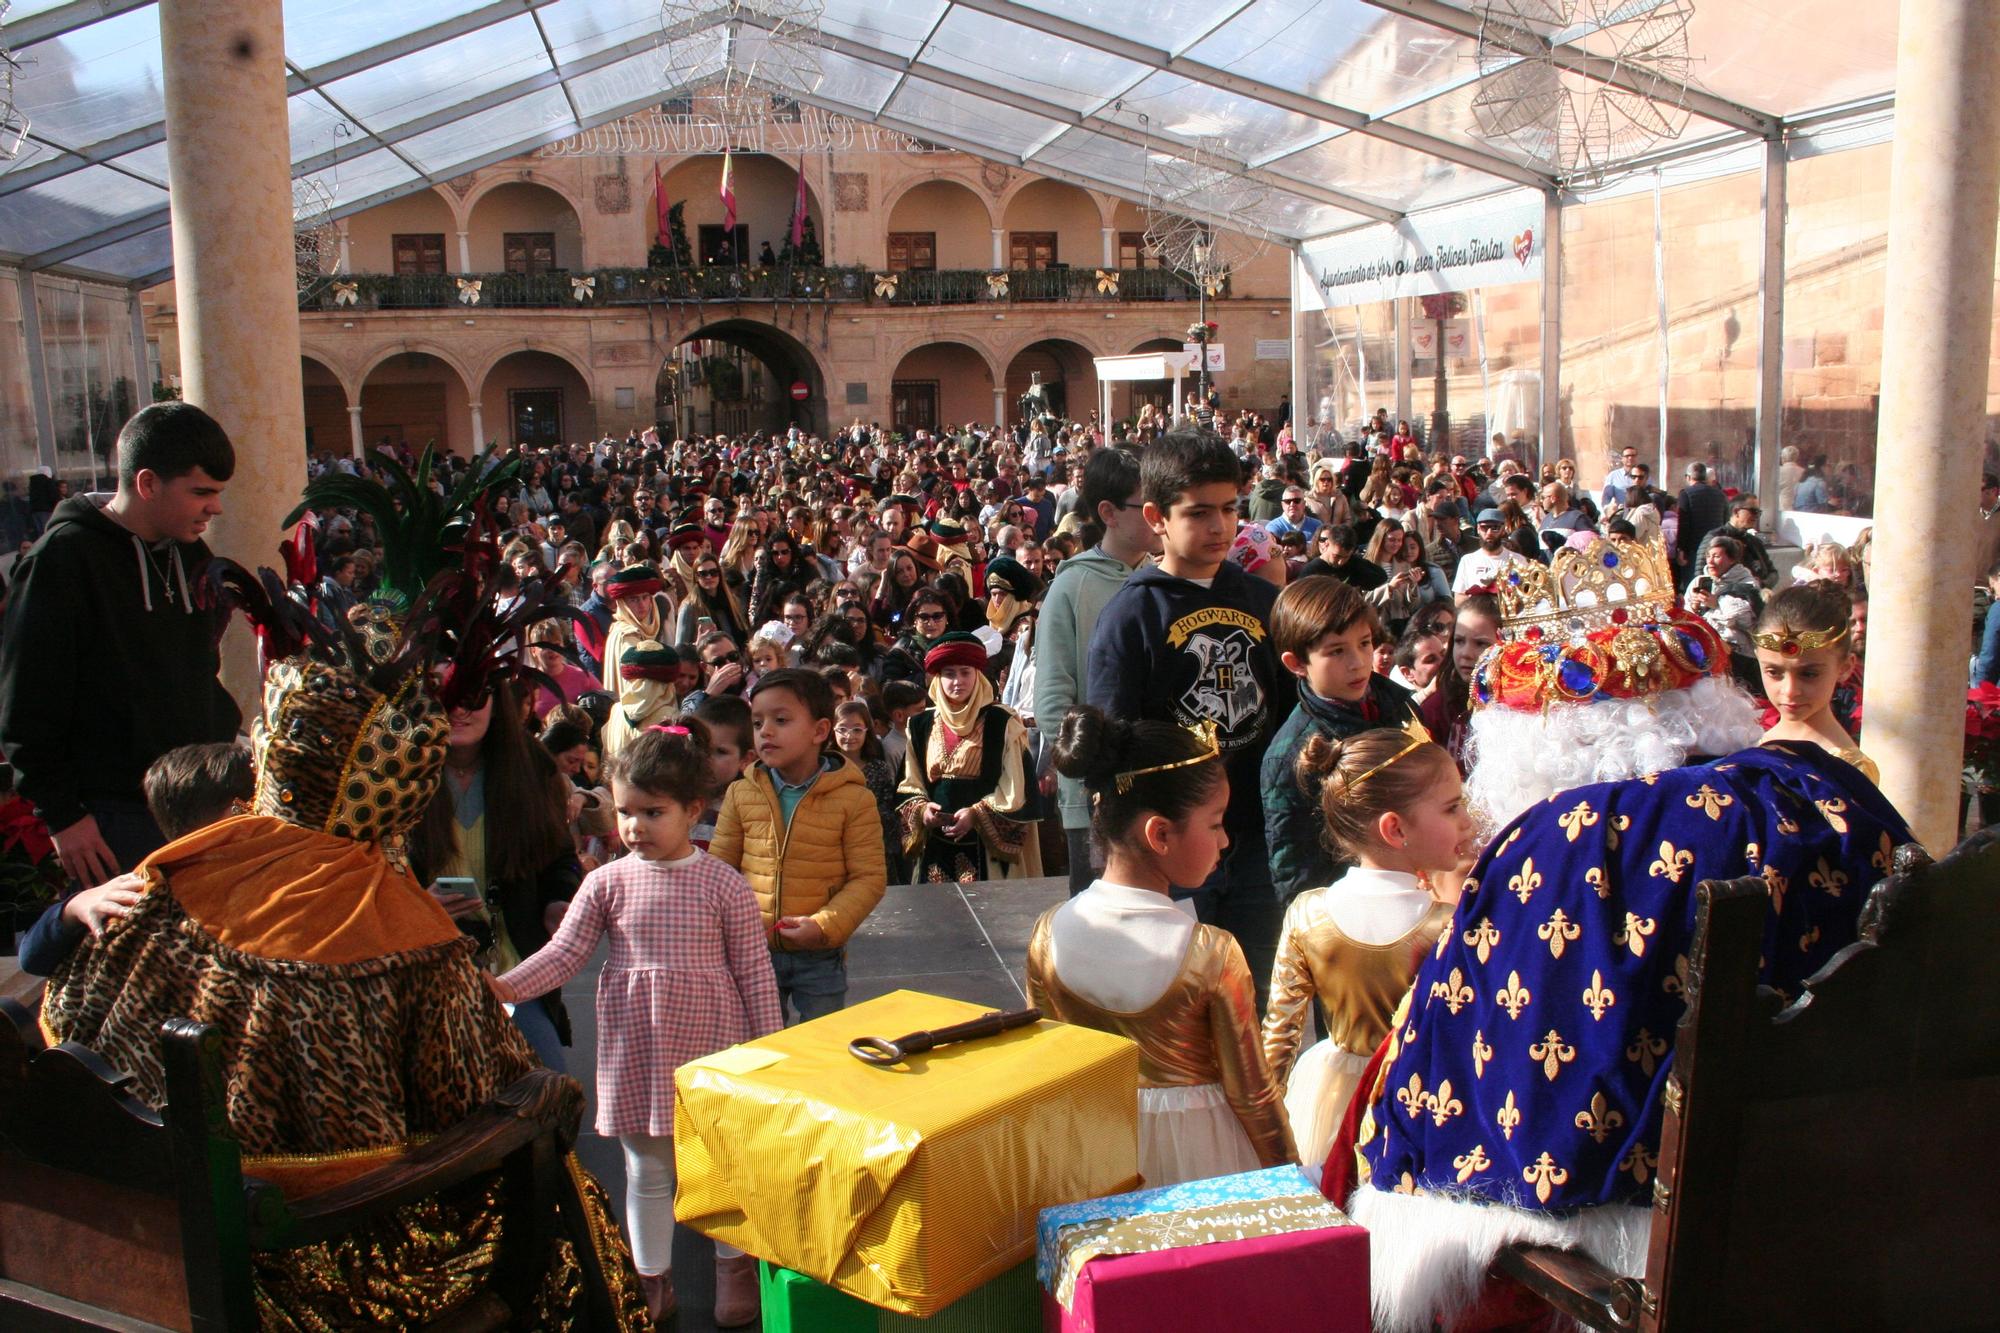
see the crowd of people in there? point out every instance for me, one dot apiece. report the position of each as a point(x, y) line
point(1279, 714)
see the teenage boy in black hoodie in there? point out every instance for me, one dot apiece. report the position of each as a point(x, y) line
point(1188, 641)
point(108, 662)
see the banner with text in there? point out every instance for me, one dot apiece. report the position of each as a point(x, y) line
point(1450, 250)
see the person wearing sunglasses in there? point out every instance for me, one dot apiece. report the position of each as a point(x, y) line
point(716, 599)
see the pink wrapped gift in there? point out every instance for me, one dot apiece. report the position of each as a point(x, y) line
point(1258, 1251)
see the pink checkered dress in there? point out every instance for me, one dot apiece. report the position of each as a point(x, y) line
point(689, 974)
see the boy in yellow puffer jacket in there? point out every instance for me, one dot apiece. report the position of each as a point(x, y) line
point(802, 827)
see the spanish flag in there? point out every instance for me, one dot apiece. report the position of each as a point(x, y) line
point(728, 195)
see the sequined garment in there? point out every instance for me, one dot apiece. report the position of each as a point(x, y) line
point(1202, 1029)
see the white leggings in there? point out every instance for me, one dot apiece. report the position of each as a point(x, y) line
point(649, 1203)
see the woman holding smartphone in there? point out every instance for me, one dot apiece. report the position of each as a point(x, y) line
point(494, 845)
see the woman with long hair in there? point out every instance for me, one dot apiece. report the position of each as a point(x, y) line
point(714, 598)
point(889, 602)
point(780, 574)
point(501, 820)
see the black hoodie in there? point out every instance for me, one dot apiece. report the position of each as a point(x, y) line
point(1169, 649)
point(105, 665)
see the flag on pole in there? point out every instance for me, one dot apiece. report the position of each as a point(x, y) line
point(799, 208)
point(660, 208)
point(728, 198)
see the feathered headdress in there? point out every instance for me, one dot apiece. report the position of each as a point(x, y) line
point(420, 530)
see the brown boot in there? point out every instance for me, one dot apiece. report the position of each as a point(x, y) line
point(659, 1293)
point(736, 1301)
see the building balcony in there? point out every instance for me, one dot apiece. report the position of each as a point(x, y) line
point(346, 293)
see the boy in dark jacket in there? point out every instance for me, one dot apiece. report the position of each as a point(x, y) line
point(1187, 641)
point(1324, 632)
point(110, 659)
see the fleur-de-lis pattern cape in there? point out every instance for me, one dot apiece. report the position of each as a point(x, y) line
point(1527, 1064)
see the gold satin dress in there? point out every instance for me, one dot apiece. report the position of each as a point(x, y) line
point(1358, 986)
point(1198, 1049)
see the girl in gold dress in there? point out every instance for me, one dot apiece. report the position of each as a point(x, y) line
point(1394, 805)
point(1124, 957)
point(1803, 653)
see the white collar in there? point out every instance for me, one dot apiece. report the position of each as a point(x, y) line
point(1386, 883)
point(1127, 898)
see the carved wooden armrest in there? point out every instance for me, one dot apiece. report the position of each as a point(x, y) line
point(1574, 1284)
point(537, 1103)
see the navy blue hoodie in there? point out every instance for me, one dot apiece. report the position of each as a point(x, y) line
point(1168, 649)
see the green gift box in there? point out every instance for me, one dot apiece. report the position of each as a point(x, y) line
point(795, 1303)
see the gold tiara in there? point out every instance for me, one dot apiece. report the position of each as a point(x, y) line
point(1793, 642)
point(1419, 737)
point(1204, 732)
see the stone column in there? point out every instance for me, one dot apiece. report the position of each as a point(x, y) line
point(223, 64)
point(346, 262)
point(1000, 406)
point(999, 248)
point(1944, 192)
point(478, 427)
point(354, 429)
point(465, 252)
point(1111, 247)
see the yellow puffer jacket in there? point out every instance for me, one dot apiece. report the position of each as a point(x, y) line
point(829, 865)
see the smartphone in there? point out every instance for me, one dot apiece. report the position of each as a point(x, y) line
point(704, 625)
point(455, 886)
point(1704, 584)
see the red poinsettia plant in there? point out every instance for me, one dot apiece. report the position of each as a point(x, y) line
point(1982, 736)
point(30, 875)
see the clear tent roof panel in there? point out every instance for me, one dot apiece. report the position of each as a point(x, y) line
point(1347, 52)
point(95, 81)
point(1362, 102)
point(934, 106)
point(1194, 113)
point(132, 258)
point(1042, 65)
point(435, 77)
point(318, 31)
point(72, 207)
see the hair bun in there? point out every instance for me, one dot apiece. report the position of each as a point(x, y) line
point(1317, 760)
point(1092, 747)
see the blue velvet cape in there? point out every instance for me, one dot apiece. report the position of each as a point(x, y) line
point(1539, 1034)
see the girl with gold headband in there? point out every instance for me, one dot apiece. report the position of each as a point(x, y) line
point(1123, 956)
point(1803, 653)
point(1393, 805)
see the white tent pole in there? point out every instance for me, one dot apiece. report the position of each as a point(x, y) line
point(1549, 425)
point(1771, 337)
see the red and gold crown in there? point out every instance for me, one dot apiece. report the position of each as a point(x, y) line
point(1596, 622)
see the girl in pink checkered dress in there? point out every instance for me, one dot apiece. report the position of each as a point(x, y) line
point(689, 973)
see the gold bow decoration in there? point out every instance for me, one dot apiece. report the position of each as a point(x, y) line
point(886, 284)
point(996, 286)
point(468, 290)
point(582, 289)
point(1107, 282)
point(346, 293)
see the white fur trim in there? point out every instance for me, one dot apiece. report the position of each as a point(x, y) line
point(1428, 1254)
point(1516, 759)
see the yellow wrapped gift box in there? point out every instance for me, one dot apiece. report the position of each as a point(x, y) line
point(909, 1186)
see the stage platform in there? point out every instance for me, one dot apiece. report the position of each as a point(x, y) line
point(969, 943)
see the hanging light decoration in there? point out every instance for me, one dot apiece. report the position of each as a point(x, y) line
point(1187, 187)
point(13, 120)
point(739, 53)
point(1577, 128)
point(315, 237)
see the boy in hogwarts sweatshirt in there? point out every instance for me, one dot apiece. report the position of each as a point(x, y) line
point(1188, 641)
